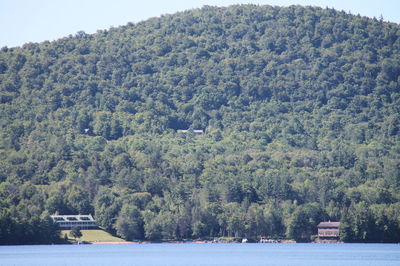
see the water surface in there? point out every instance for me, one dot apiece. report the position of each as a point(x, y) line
point(203, 254)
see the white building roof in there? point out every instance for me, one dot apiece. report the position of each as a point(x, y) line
point(73, 218)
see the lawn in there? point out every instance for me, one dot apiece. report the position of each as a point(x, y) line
point(93, 235)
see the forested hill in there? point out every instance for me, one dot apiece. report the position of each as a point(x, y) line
point(300, 107)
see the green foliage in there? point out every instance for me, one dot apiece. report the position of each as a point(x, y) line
point(35, 230)
point(129, 223)
point(300, 108)
point(76, 232)
point(304, 221)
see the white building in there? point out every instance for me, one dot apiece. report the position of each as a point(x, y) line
point(70, 221)
point(191, 131)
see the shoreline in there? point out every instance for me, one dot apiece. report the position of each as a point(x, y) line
point(181, 242)
point(191, 242)
point(207, 242)
point(152, 242)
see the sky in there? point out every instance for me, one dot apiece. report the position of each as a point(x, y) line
point(23, 21)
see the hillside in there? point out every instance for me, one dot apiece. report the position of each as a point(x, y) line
point(300, 107)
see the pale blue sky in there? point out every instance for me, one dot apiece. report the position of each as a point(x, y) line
point(24, 21)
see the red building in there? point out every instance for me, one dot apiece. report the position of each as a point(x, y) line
point(328, 230)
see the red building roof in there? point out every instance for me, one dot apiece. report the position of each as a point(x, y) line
point(329, 224)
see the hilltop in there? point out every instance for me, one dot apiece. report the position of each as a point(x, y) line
point(300, 108)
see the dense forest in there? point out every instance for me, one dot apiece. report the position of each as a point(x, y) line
point(300, 108)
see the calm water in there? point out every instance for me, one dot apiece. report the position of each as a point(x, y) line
point(204, 254)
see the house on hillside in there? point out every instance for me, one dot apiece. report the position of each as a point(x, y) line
point(328, 231)
point(195, 132)
point(66, 222)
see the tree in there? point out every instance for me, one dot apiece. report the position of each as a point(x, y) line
point(152, 226)
point(129, 224)
point(76, 232)
point(199, 229)
point(106, 206)
point(304, 222)
point(345, 229)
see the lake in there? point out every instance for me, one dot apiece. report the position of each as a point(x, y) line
point(203, 254)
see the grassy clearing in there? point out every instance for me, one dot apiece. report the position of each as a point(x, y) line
point(93, 235)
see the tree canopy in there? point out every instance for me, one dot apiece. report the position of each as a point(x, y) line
point(300, 107)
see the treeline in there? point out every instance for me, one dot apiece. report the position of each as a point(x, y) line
point(37, 230)
point(300, 107)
